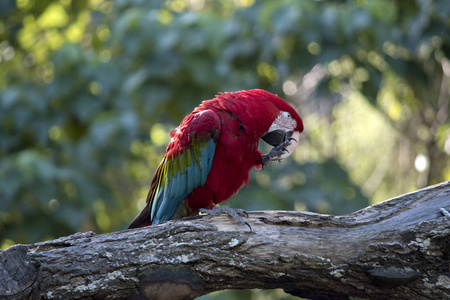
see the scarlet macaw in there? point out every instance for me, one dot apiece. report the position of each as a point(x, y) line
point(212, 151)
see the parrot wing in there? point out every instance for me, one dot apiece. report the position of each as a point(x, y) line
point(186, 166)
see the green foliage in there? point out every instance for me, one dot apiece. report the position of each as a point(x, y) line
point(90, 89)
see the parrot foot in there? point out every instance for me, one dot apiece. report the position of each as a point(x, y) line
point(276, 152)
point(232, 212)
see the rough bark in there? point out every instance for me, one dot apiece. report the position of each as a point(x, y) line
point(397, 249)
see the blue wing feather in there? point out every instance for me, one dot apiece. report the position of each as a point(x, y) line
point(179, 176)
point(180, 186)
point(190, 179)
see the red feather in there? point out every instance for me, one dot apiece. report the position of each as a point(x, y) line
point(245, 117)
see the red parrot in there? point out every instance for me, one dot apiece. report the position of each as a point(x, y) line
point(212, 151)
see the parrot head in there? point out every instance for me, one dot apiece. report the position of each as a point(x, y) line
point(278, 121)
point(287, 126)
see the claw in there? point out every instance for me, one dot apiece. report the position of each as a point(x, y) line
point(232, 212)
point(276, 152)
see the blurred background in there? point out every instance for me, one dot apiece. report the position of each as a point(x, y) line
point(89, 90)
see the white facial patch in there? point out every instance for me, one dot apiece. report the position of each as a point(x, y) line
point(284, 121)
point(291, 148)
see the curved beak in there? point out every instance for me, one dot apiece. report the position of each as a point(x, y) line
point(276, 137)
point(294, 143)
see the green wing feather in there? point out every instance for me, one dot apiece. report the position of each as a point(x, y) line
point(186, 165)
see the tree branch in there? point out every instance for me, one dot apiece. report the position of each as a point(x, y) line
point(395, 249)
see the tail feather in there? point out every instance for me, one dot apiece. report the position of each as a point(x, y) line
point(142, 219)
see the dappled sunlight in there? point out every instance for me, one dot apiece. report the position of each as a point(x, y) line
point(159, 135)
point(365, 142)
point(53, 16)
point(90, 90)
